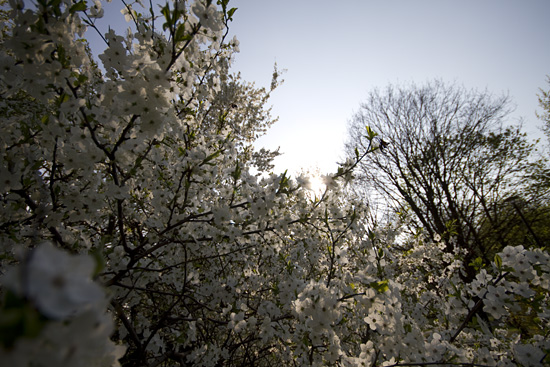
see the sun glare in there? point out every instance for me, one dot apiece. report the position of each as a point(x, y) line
point(316, 185)
point(313, 182)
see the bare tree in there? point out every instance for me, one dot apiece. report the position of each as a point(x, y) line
point(447, 158)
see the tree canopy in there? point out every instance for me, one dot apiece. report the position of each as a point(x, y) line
point(140, 226)
point(447, 157)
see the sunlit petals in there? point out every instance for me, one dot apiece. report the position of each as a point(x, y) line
point(96, 10)
point(208, 15)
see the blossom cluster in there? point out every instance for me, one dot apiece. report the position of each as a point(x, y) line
point(142, 159)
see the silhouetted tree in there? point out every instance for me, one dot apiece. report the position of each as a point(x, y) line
point(446, 157)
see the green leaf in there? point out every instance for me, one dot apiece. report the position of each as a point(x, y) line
point(80, 6)
point(180, 33)
point(370, 134)
point(237, 173)
point(81, 79)
point(380, 286)
point(223, 3)
point(165, 10)
point(477, 264)
point(211, 157)
point(498, 261)
point(230, 13)
point(283, 184)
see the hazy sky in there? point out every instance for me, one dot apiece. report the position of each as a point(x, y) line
point(337, 51)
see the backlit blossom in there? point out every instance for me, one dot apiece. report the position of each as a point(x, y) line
point(96, 10)
point(208, 15)
point(147, 162)
point(329, 181)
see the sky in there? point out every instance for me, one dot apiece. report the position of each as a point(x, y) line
point(335, 52)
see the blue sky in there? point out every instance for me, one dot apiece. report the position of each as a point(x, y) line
point(336, 52)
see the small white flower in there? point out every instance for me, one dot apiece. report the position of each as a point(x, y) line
point(96, 10)
point(528, 355)
point(304, 182)
point(208, 16)
point(128, 13)
point(522, 289)
point(508, 255)
point(494, 302)
point(329, 181)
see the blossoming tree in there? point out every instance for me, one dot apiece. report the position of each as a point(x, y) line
point(140, 227)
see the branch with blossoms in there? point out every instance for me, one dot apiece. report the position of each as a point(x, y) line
point(477, 307)
point(144, 170)
point(345, 170)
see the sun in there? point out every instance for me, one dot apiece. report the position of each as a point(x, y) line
point(313, 182)
point(316, 185)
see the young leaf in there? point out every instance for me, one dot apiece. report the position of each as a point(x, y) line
point(370, 134)
point(230, 13)
point(80, 6)
point(498, 261)
point(380, 286)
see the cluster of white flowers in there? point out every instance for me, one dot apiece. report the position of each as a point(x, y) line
point(144, 158)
